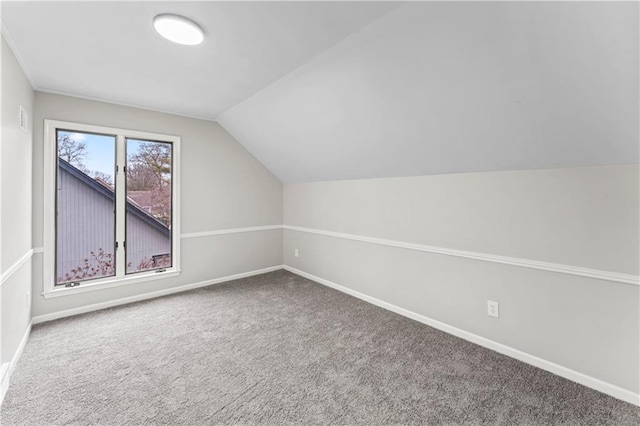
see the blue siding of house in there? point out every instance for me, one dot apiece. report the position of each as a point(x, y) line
point(85, 224)
point(143, 241)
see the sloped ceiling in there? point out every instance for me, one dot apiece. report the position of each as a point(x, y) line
point(341, 90)
point(436, 87)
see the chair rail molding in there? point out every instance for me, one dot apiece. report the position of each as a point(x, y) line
point(506, 260)
point(230, 231)
point(16, 266)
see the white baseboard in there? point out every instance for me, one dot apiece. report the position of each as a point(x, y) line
point(7, 369)
point(123, 301)
point(583, 379)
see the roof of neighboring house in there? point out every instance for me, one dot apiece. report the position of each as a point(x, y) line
point(142, 199)
point(108, 191)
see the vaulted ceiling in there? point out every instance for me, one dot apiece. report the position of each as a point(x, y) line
point(340, 90)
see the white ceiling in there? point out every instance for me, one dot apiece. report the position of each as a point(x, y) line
point(110, 51)
point(456, 87)
point(340, 90)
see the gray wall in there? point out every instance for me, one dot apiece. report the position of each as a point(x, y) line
point(15, 205)
point(222, 187)
point(584, 217)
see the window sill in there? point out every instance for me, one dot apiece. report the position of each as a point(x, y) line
point(110, 283)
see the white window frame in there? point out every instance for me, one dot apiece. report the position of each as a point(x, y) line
point(50, 169)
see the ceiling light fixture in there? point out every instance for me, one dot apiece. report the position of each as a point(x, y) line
point(178, 29)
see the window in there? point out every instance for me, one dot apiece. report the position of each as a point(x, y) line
point(111, 205)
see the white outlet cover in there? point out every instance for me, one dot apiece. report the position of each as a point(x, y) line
point(295, 252)
point(493, 309)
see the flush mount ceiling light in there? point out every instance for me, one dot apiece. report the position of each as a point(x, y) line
point(178, 29)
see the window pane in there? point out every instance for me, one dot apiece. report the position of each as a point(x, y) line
point(148, 224)
point(85, 204)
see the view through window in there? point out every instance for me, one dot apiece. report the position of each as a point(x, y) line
point(89, 212)
point(148, 205)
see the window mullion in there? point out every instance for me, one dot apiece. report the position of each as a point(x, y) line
point(121, 197)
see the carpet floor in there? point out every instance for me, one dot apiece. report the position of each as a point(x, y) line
point(280, 349)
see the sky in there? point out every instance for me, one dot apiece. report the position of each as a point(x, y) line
point(100, 151)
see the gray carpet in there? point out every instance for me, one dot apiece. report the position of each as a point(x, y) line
point(279, 349)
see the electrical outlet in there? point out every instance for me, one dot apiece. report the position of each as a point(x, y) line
point(28, 299)
point(295, 252)
point(493, 309)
